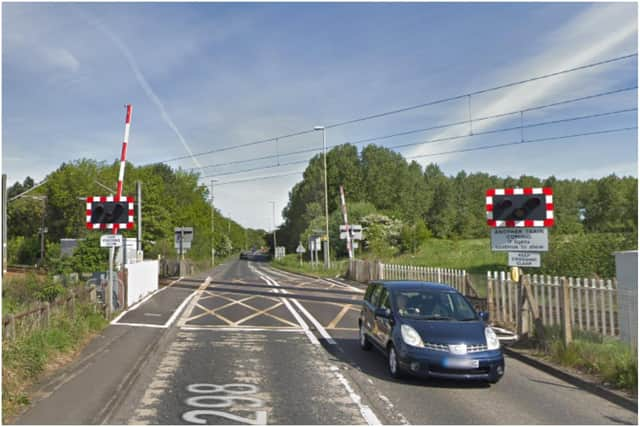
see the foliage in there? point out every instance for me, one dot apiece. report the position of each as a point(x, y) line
point(450, 207)
point(585, 254)
point(291, 263)
point(614, 361)
point(25, 359)
point(171, 198)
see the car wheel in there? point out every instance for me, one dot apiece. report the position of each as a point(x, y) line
point(364, 341)
point(392, 363)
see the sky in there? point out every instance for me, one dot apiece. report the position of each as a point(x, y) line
point(208, 76)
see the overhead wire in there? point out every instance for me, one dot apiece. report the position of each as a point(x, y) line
point(405, 109)
point(414, 131)
point(463, 150)
point(444, 139)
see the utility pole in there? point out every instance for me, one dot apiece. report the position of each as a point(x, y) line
point(43, 229)
point(275, 244)
point(327, 261)
point(139, 197)
point(5, 201)
point(213, 227)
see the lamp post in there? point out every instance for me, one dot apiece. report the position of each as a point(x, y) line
point(275, 244)
point(327, 262)
point(213, 227)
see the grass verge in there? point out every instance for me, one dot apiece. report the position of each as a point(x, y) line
point(614, 362)
point(292, 264)
point(27, 358)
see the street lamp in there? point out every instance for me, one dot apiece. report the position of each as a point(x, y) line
point(327, 262)
point(213, 227)
point(275, 244)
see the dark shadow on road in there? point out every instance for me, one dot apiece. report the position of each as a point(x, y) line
point(297, 296)
point(618, 420)
point(553, 384)
point(373, 363)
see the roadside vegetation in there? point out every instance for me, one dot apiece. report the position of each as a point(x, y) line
point(614, 362)
point(31, 354)
point(418, 215)
point(291, 263)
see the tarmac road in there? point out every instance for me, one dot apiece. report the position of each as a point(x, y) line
point(247, 344)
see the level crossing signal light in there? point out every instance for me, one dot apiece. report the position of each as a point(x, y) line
point(105, 212)
point(520, 207)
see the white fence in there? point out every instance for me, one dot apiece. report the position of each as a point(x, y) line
point(366, 271)
point(593, 302)
point(142, 279)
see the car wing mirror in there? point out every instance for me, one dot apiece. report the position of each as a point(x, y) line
point(484, 315)
point(383, 312)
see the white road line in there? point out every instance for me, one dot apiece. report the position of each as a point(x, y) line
point(141, 325)
point(368, 415)
point(234, 329)
point(142, 301)
point(312, 319)
point(295, 314)
point(326, 279)
point(186, 301)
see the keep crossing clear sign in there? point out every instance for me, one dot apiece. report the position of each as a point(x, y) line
point(524, 259)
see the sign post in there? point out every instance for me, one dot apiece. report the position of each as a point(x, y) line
point(520, 218)
point(300, 250)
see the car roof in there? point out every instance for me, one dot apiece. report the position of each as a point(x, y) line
point(415, 285)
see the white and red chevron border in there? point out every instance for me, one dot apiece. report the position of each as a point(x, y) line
point(547, 191)
point(129, 200)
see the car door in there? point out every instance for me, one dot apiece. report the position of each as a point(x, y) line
point(366, 314)
point(371, 324)
point(383, 324)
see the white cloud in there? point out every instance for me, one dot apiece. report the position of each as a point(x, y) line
point(60, 58)
point(600, 32)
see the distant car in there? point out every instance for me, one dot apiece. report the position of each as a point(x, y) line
point(244, 255)
point(429, 330)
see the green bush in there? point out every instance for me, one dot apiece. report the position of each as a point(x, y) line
point(606, 357)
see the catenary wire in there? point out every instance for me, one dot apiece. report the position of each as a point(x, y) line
point(441, 140)
point(413, 107)
point(484, 147)
point(414, 131)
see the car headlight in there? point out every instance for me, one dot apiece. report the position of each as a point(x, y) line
point(493, 343)
point(410, 336)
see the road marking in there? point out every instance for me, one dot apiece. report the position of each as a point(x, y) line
point(245, 329)
point(152, 314)
point(312, 319)
point(368, 415)
point(295, 314)
point(339, 317)
point(185, 302)
point(136, 305)
point(141, 325)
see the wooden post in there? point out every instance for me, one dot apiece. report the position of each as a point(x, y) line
point(72, 308)
point(11, 327)
point(565, 312)
point(45, 315)
point(522, 319)
point(533, 306)
point(491, 308)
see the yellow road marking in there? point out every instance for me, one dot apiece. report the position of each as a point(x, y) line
point(339, 317)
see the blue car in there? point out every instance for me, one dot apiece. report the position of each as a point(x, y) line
point(429, 330)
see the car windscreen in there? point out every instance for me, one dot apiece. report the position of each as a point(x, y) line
point(433, 305)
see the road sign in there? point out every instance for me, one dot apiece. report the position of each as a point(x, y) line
point(520, 207)
point(520, 239)
point(354, 229)
point(185, 234)
point(104, 212)
point(300, 249)
point(524, 259)
point(111, 240)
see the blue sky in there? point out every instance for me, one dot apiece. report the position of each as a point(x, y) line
point(202, 76)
